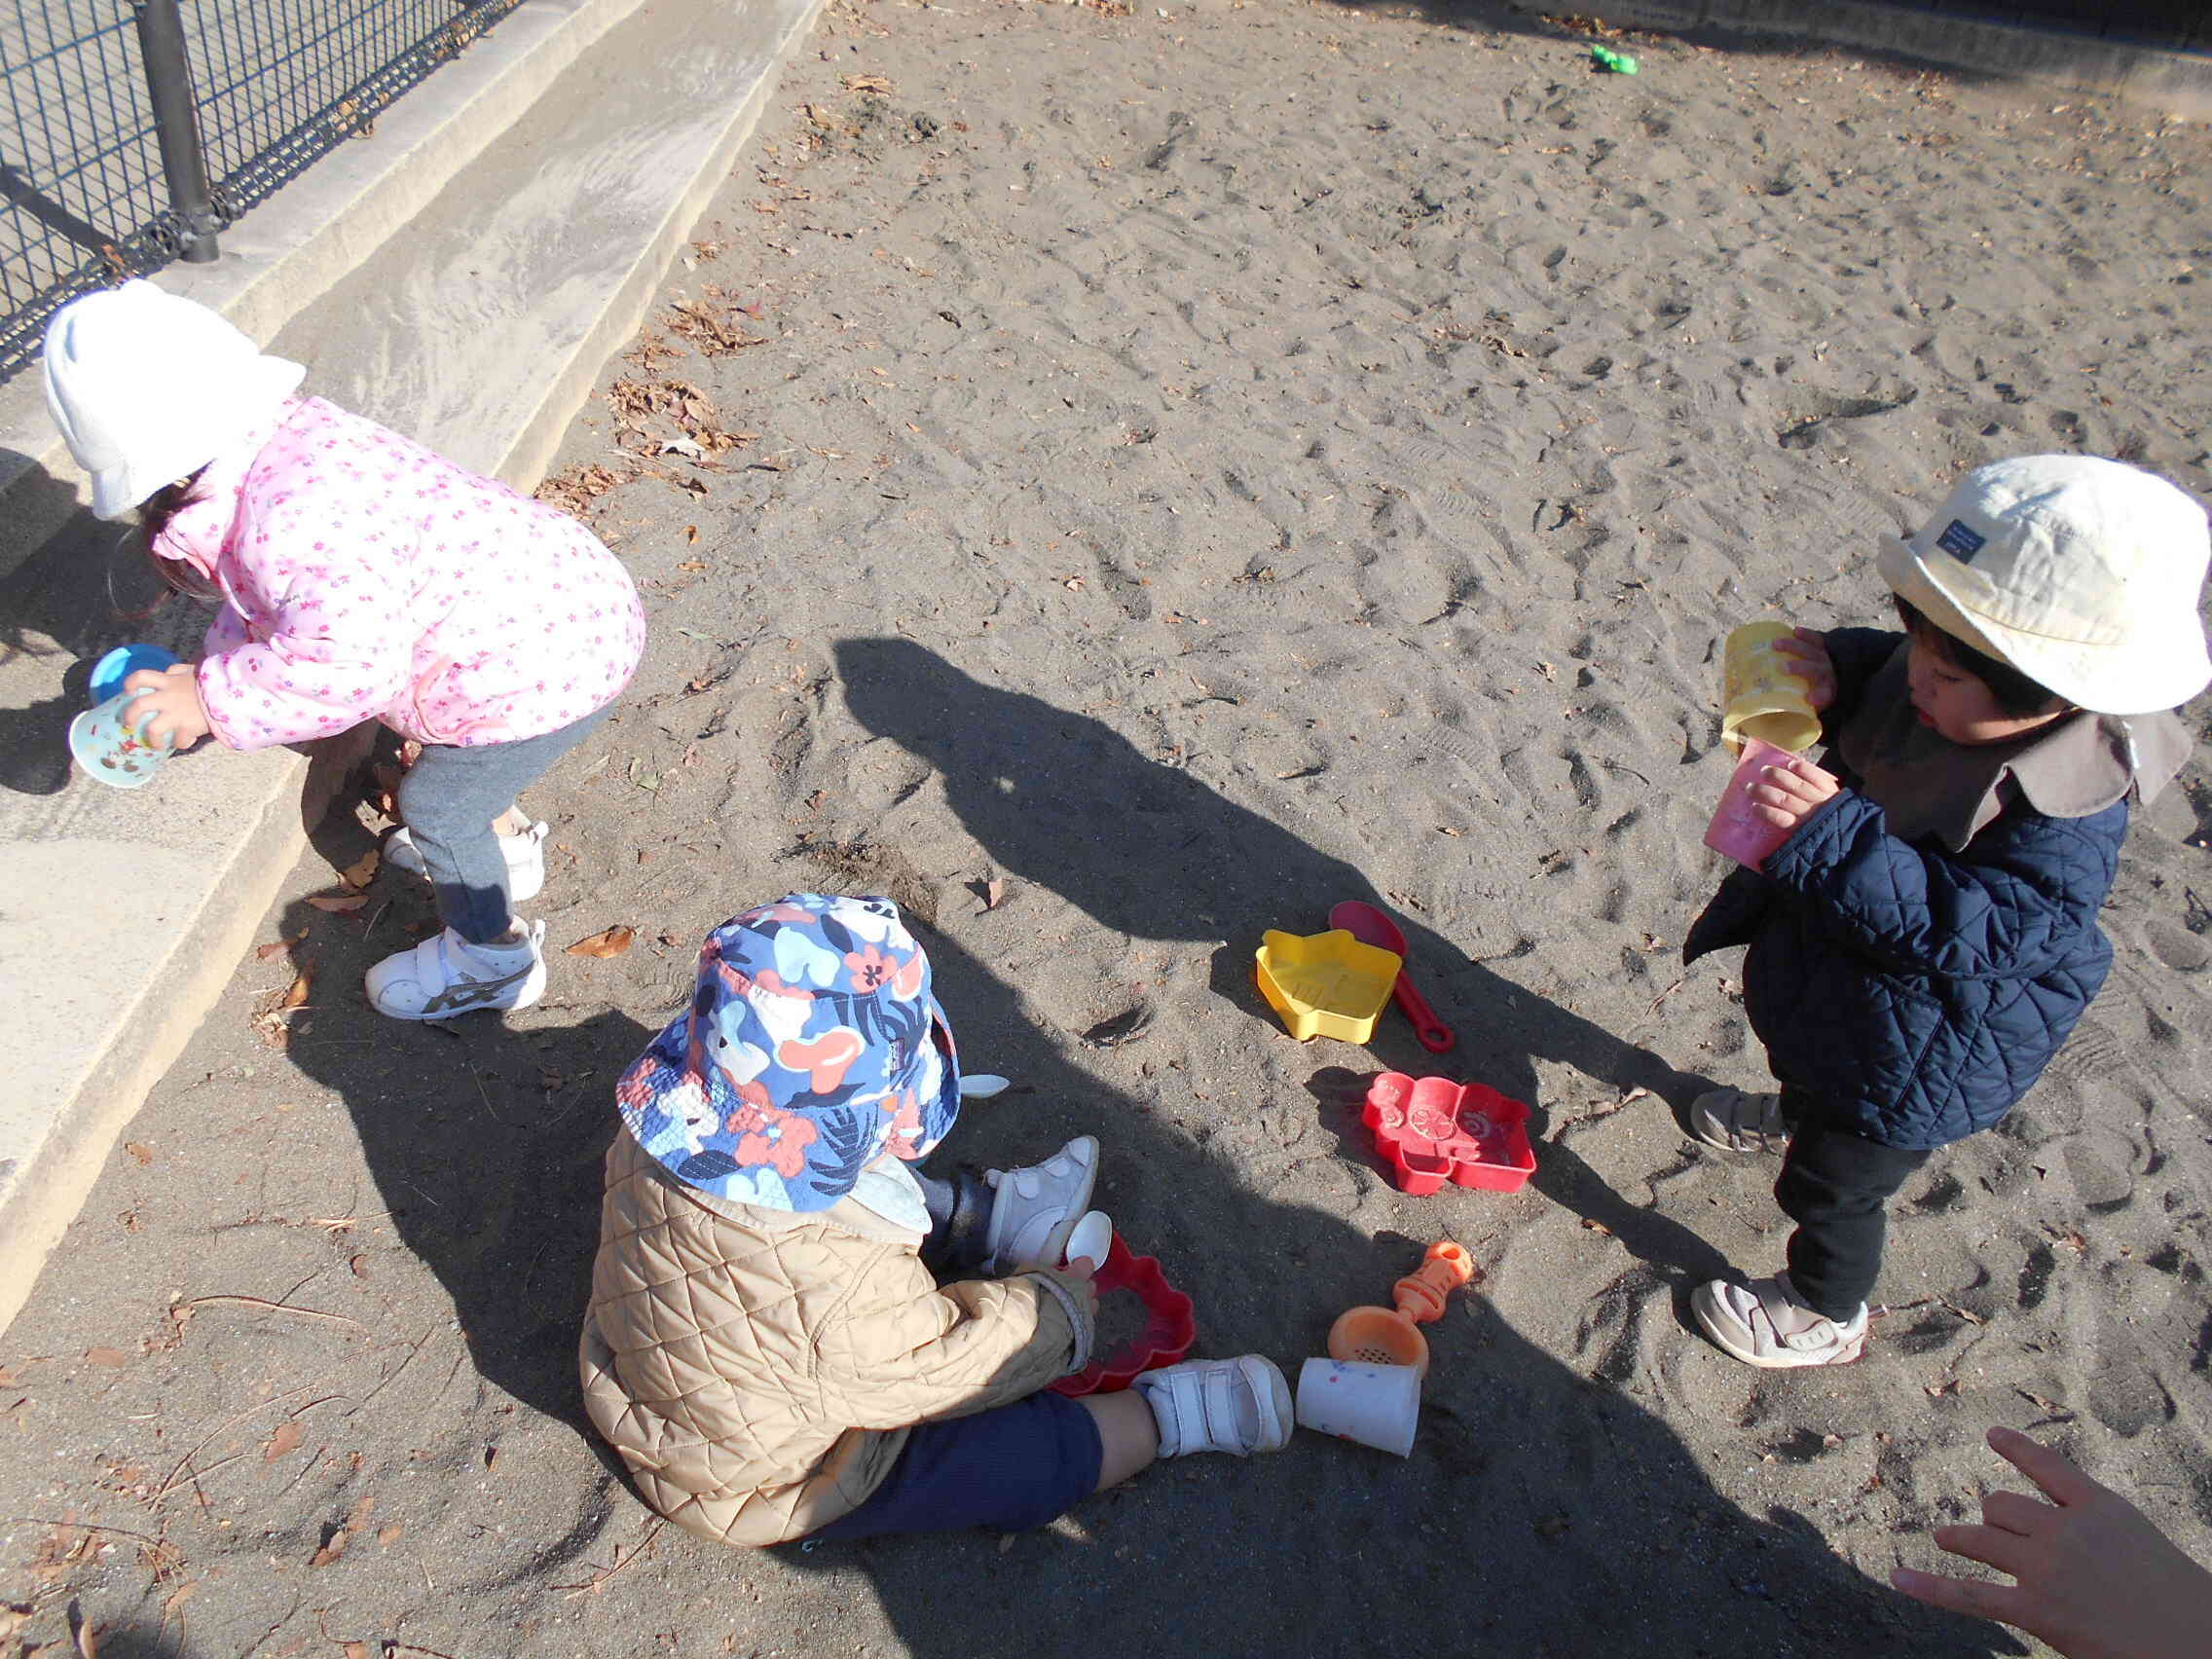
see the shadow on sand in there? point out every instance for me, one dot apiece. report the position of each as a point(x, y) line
point(1541, 1512)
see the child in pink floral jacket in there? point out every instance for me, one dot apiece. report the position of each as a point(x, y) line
point(361, 577)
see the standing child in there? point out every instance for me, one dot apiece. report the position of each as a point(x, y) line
point(1926, 939)
point(769, 1345)
point(360, 576)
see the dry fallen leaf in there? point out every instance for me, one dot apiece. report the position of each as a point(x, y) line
point(331, 1551)
point(362, 871)
point(357, 1650)
point(390, 1535)
point(287, 1438)
point(108, 1356)
point(994, 890)
point(867, 83)
point(690, 533)
point(360, 1265)
point(613, 943)
point(139, 1150)
point(276, 946)
point(338, 904)
point(297, 996)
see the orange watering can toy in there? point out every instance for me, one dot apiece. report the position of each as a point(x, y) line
point(1377, 1335)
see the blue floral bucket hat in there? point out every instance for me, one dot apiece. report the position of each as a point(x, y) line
point(812, 1047)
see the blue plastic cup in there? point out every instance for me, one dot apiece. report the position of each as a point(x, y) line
point(113, 753)
point(120, 664)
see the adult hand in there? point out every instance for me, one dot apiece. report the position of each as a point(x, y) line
point(1807, 652)
point(167, 705)
point(2096, 1579)
point(1790, 790)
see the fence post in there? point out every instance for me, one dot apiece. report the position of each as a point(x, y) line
point(193, 218)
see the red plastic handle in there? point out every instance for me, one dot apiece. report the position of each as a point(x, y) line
point(1433, 1034)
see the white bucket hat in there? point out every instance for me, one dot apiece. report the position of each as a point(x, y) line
point(147, 387)
point(2082, 573)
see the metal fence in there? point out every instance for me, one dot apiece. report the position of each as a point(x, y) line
point(84, 195)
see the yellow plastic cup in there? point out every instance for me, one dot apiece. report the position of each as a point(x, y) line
point(1762, 695)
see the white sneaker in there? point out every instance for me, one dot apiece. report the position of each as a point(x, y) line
point(445, 975)
point(1765, 1324)
point(1239, 1406)
point(524, 851)
point(1034, 1209)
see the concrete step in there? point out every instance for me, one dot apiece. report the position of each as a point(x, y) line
point(477, 323)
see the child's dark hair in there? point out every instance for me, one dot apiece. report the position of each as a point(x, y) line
point(2009, 690)
point(153, 515)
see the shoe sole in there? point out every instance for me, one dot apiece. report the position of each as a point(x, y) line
point(1722, 1331)
point(528, 999)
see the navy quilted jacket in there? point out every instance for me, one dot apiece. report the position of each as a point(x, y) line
point(1916, 991)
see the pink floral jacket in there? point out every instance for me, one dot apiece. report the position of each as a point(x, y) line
point(367, 577)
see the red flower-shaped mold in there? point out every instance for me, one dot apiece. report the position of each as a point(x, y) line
point(1168, 1333)
point(1434, 1129)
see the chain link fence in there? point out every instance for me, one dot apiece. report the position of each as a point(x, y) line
point(85, 196)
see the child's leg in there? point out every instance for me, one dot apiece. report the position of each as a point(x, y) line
point(1005, 1220)
point(1836, 1186)
point(960, 1215)
point(1128, 1434)
point(1013, 1467)
point(1021, 1465)
point(450, 799)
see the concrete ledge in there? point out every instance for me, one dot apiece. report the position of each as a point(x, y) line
point(2179, 83)
point(292, 247)
point(480, 329)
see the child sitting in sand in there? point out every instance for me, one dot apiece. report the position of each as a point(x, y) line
point(1926, 939)
point(768, 1343)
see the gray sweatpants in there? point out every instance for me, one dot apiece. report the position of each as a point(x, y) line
point(448, 800)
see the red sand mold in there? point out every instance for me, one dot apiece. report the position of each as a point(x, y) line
point(1168, 1335)
point(1434, 1129)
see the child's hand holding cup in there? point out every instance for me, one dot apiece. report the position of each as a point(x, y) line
point(1775, 680)
point(1771, 794)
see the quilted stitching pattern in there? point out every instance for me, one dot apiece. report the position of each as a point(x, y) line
point(757, 1371)
point(1920, 993)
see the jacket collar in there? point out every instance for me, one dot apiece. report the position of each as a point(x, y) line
point(1927, 785)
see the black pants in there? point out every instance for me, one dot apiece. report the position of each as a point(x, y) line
point(1834, 1186)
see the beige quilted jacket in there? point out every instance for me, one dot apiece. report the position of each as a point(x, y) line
point(758, 1370)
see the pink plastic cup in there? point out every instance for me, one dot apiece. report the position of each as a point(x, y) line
point(1737, 830)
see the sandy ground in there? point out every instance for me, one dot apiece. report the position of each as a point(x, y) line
point(1197, 465)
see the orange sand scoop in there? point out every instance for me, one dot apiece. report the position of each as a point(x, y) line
point(1377, 1335)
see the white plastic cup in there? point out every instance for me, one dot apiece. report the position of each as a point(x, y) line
point(1376, 1405)
point(1090, 1239)
point(113, 753)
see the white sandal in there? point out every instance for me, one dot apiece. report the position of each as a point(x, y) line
point(1730, 1119)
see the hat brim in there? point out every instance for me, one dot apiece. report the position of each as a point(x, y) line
point(259, 390)
point(2161, 665)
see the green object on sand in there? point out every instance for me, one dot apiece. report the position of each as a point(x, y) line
point(1611, 61)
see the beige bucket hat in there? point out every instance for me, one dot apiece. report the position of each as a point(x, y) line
point(2082, 573)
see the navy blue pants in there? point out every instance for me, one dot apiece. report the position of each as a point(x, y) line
point(1837, 1187)
point(1011, 1468)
